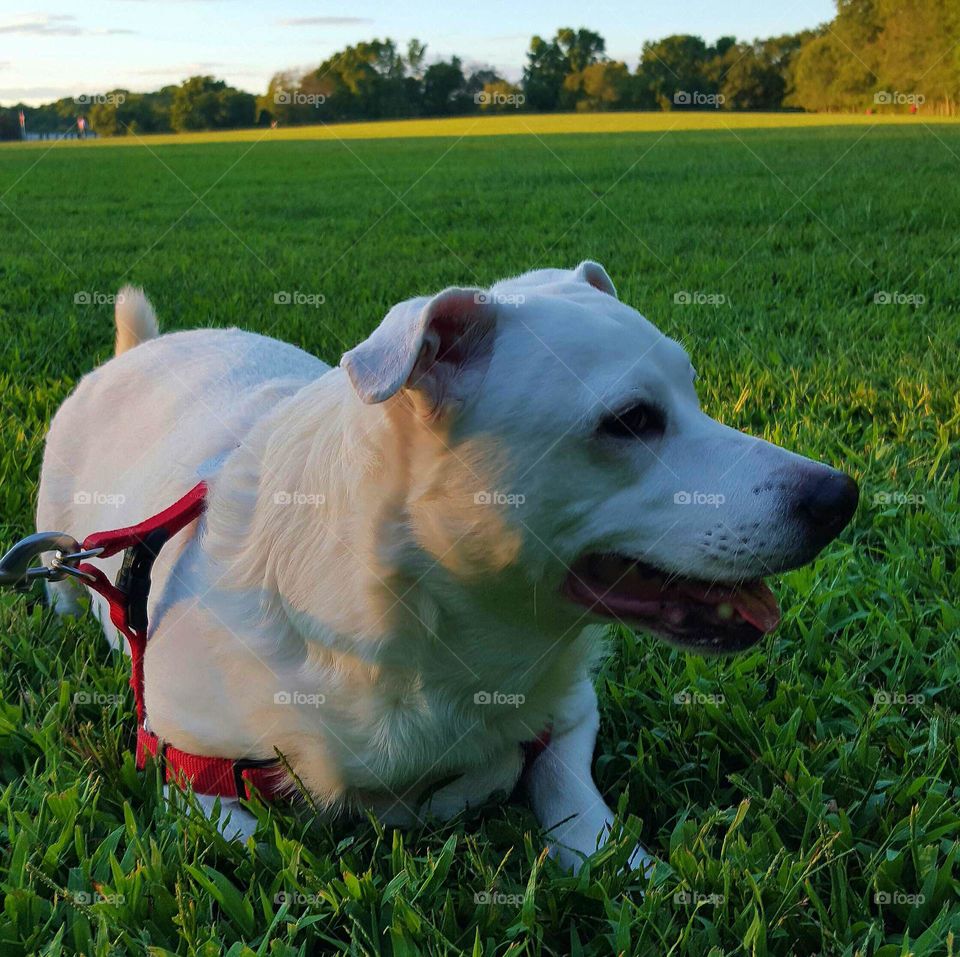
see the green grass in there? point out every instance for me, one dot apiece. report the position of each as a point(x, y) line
point(806, 802)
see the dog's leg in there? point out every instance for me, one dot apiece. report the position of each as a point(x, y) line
point(234, 823)
point(561, 789)
point(64, 596)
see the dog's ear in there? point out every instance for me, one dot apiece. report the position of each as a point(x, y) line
point(435, 347)
point(595, 275)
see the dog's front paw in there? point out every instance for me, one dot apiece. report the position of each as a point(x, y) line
point(232, 821)
point(572, 845)
point(641, 860)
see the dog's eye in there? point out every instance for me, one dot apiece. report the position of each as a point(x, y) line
point(634, 422)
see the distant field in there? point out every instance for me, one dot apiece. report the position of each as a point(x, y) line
point(519, 124)
point(807, 801)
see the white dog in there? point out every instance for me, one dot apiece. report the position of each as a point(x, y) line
point(391, 580)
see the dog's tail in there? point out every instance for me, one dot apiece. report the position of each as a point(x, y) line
point(135, 318)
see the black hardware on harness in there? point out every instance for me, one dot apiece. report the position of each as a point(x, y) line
point(133, 579)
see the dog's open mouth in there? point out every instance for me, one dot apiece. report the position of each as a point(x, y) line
point(697, 614)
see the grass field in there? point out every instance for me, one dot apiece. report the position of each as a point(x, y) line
point(512, 124)
point(803, 798)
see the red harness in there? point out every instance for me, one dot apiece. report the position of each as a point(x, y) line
point(222, 777)
point(127, 599)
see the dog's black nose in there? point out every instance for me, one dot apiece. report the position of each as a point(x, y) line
point(826, 500)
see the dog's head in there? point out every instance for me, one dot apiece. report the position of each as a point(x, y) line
point(569, 417)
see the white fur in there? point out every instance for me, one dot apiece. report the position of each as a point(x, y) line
point(363, 594)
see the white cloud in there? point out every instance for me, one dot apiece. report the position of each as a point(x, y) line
point(324, 21)
point(54, 25)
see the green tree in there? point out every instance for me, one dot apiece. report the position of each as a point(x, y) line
point(544, 74)
point(580, 48)
point(277, 102)
point(365, 81)
point(549, 65)
point(600, 86)
point(120, 112)
point(479, 80)
point(747, 78)
point(203, 103)
point(917, 54)
point(499, 96)
point(10, 124)
point(672, 69)
point(444, 89)
point(882, 54)
point(416, 53)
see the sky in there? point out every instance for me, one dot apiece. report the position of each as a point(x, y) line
point(63, 49)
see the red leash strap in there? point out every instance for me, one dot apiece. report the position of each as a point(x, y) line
point(136, 640)
point(170, 520)
point(128, 598)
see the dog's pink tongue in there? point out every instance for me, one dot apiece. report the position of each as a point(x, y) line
point(758, 605)
point(754, 601)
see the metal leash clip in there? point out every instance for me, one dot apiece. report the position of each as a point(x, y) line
point(17, 572)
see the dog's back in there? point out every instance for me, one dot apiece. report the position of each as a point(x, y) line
point(143, 428)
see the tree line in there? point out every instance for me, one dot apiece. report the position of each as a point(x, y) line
point(875, 55)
